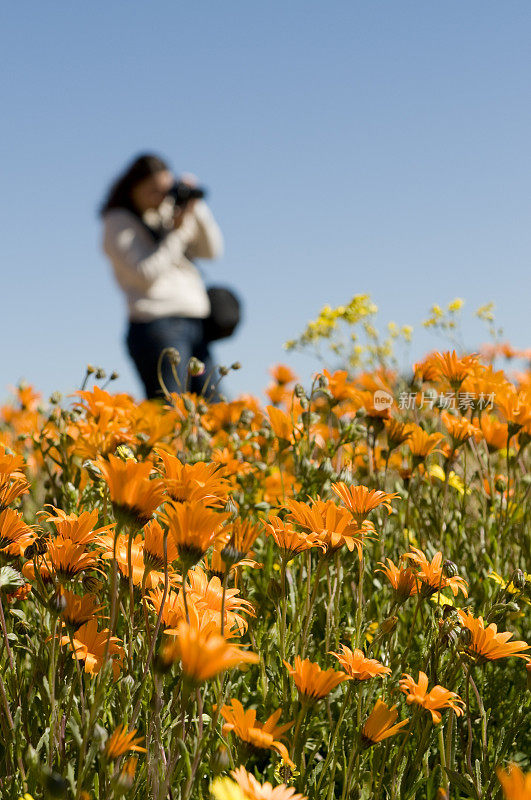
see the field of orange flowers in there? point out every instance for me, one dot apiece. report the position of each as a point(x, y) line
point(325, 597)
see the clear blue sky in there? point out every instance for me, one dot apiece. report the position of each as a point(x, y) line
point(375, 146)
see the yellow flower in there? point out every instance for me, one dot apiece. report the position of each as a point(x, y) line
point(371, 630)
point(456, 304)
point(435, 471)
point(226, 789)
point(442, 600)
point(485, 312)
point(509, 586)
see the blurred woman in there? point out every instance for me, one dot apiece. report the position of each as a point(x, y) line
point(151, 243)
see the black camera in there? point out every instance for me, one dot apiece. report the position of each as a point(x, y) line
point(183, 192)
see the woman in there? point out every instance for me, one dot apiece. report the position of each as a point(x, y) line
point(151, 243)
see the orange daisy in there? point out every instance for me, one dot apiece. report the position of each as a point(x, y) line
point(357, 666)
point(11, 490)
point(332, 525)
point(487, 644)
point(282, 374)
point(172, 610)
point(89, 646)
point(194, 528)
point(203, 654)
point(397, 433)
point(15, 535)
point(256, 735)
point(437, 698)
point(313, 682)
point(460, 430)
point(290, 541)
point(360, 501)
point(421, 443)
point(282, 425)
point(431, 574)
point(243, 534)
point(516, 784)
point(79, 609)
point(67, 559)
point(208, 594)
point(515, 408)
point(494, 432)
point(402, 580)
point(452, 368)
point(134, 495)
point(79, 529)
point(380, 724)
point(13, 482)
point(120, 549)
point(154, 546)
point(121, 741)
point(193, 482)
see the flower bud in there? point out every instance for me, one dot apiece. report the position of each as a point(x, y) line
point(246, 417)
point(10, 580)
point(173, 356)
point(298, 389)
point(100, 374)
point(500, 484)
point(236, 365)
point(55, 786)
point(449, 569)
point(91, 584)
point(518, 580)
point(57, 603)
point(499, 610)
point(221, 760)
point(388, 625)
point(465, 637)
point(274, 590)
point(223, 371)
point(230, 506)
point(195, 367)
point(450, 637)
point(231, 555)
point(327, 468)
point(345, 476)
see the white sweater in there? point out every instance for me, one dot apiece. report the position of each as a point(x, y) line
point(158, 278)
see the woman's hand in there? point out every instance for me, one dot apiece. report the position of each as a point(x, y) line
point(180, 211)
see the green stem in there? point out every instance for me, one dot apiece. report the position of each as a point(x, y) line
point(442, 753)
point(331, 745)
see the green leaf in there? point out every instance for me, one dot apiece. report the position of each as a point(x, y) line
point(463, 783)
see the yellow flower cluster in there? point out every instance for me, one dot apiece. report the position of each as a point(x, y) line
point(444, 319)
point(359, 312)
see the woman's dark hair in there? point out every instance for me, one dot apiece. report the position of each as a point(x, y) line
point(119, 195)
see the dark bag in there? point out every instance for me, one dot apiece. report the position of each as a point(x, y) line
point(225, 311)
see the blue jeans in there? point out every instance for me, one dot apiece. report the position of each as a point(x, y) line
point(146, 341)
